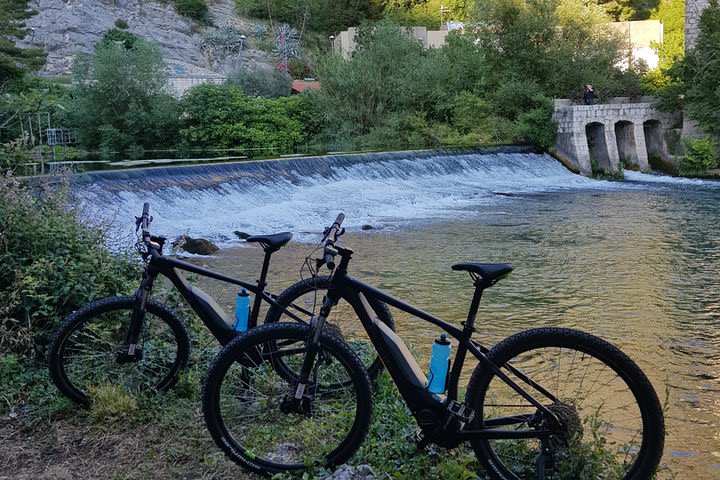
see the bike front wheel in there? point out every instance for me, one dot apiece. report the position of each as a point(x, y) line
point(85, 352)
point(254, 416)
point(304, 299)
point(608, 420)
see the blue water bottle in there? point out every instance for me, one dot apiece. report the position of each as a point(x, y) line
point(242, 310)
point(439, 364)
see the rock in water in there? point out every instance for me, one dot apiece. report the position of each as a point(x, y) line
point(367, 227)
point(197, 246)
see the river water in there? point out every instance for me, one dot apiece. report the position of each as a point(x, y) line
point(636, 262)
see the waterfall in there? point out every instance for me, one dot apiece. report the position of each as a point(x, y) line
point(385, 190)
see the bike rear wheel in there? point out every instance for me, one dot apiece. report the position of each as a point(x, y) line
point(304, 300)
point(610, 420)
point(83, 354)
point(251, 412)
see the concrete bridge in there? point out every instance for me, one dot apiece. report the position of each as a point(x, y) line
point(607, 134)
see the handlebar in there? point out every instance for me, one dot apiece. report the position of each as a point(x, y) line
point(331, 236)
point(143, 222)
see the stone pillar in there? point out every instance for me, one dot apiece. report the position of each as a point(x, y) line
point(640, 146)
point(612, 149)
point(693, 10)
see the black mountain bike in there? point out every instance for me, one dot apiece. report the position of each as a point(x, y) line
point(543, 403)
point(141, 345)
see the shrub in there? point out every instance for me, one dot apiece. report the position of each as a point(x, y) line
point(700, 157)
point(262, 83)
point(51, 263)
point(195, 9)
point(121, 24)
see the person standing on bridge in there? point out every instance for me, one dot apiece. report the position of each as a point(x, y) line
point(589, 95)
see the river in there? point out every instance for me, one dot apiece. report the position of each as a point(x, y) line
point(636, 262)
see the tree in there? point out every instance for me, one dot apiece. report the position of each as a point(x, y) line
point(16, 61)
point(426, 13)
point(672, 15)
point(559, 45)
point(121, 100)
point(384, 76)
point(702, 73)
point(223, 116)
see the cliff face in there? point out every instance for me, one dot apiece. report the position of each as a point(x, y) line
point(66, 27)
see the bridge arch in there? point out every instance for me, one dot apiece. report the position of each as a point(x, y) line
point(597, 145)
point(655, 139)
point(626, 145)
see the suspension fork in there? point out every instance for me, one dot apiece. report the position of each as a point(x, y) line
point(313, 343)
point(128, 351)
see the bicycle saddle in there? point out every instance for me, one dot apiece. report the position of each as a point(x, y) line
point(487, 271)
point(273, 242)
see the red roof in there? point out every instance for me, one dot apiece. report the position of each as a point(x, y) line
point(298, 86)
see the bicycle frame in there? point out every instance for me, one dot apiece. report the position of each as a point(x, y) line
point(442, 421)
point(212, 315)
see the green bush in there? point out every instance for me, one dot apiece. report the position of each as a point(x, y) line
point(195, 9)
point(700, 156)
point(223, 116)
point(121, 24)
point(51, 263)
point(261, 82)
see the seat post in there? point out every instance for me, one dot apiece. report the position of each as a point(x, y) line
point(469, 325)
point(261, 283)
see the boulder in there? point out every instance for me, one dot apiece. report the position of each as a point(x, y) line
point(367, 227)
point(197, 246)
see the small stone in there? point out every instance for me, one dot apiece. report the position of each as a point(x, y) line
point(347, 472)
point(367, 227)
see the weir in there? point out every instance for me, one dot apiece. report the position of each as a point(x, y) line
point(384, 190)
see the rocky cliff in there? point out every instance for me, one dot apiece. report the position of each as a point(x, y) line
point(66, 27)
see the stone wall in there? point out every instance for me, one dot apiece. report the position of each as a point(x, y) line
point(693, 10)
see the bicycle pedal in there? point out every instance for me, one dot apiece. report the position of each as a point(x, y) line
point(463, 413)
point(421, 441)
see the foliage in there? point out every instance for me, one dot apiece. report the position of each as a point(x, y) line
point(16, 61)
point(195, 9)
point(221, 42)
point(328, 16)
point(24, 99)
point(624, 10)
point(384, 75)
point(701, 155)
point(223, 116)
point(119, 36)
point(672, 15)
point(121, 24)
point(559, 44)
point(51, 263)
point(702, 73)
point(121, 100)
point(416, 13)
point(262, 83)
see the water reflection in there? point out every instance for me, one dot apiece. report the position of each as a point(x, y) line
point(638, 267)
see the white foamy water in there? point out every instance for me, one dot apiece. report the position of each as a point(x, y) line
point(303, 195)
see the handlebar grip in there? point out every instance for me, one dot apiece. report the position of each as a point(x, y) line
point(340, 218)
point(146, 208)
